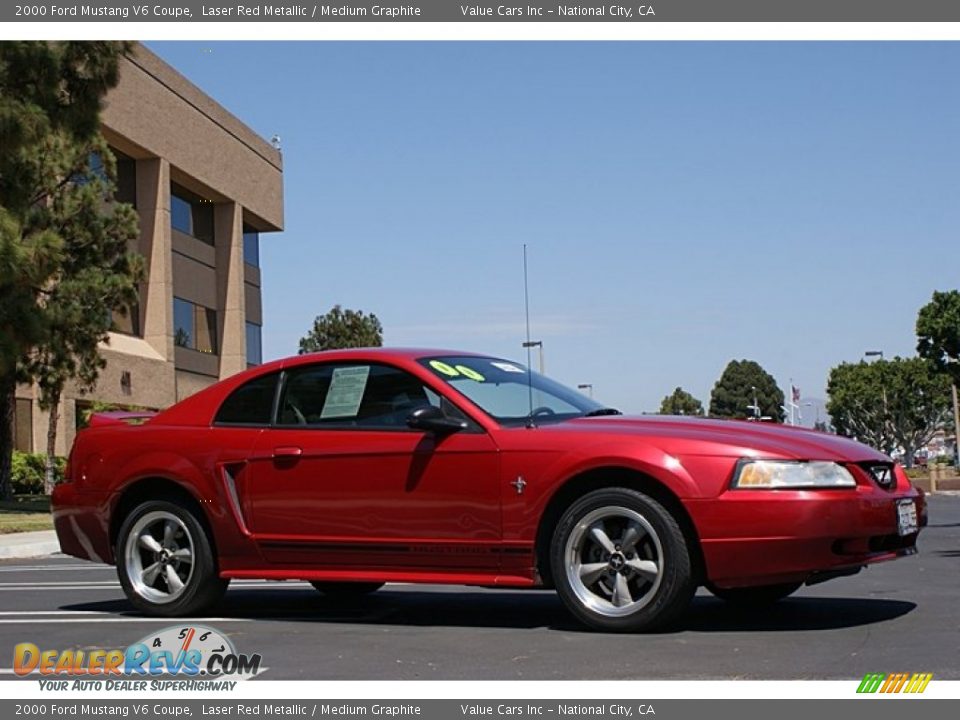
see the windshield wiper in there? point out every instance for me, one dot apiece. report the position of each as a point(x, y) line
point(602, 411)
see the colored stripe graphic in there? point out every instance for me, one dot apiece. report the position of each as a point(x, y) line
point(871, 682)
point(894, 682)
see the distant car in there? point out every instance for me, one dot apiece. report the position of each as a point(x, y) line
point(355, 468)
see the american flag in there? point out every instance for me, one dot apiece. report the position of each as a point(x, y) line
point(795, 392)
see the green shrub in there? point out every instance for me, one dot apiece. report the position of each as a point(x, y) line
point(28, 469)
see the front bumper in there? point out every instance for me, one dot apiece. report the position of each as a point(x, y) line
point(761, 537)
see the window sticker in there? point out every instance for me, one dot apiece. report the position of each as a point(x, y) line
point(346, 392)
point(469, 373)
point(507, 367)
point(442, 367)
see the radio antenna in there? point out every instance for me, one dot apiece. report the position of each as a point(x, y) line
point(528, 344)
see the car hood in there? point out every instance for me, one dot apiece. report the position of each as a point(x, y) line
point(701, 436)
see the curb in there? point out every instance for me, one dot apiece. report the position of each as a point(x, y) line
point(28, 545)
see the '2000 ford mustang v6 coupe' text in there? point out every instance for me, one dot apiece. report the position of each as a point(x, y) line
point(354, 468)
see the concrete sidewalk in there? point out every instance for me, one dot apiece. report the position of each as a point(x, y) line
point(28, 544)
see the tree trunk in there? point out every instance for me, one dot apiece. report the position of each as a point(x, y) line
point(908, 456)
point(8, 401)
point(49, 479)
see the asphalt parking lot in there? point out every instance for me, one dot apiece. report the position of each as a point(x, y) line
point(899, 616)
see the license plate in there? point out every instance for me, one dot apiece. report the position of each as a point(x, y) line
point(906, 517)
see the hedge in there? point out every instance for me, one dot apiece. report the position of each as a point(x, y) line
point(28, 470)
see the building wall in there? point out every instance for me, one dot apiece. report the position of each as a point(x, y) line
point(176, 134)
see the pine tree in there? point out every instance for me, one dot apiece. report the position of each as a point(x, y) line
point(341, 328)
point(743, 382)
point(64, 262)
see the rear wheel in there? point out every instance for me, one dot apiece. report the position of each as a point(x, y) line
point(346, 589)
point(165, 562)
point(621, 563)
point(757, 596)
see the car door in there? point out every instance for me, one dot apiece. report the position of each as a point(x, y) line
point(340, 480)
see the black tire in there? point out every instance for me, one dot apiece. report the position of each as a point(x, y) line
point(757, 596)
point(644, 585)
point(202, 587)
point(346, 589)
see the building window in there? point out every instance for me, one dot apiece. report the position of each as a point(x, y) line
point(125, 187)
point(126, 178)
point(254, 345)
point(194, 326)
point(126, 320)
point(23, 425)
point(251, 246)
point(191, 214)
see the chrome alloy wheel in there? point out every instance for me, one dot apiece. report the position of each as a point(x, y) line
point(614, 561)
point(159, 557)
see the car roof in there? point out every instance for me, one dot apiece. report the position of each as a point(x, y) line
point(404, 352)
point(354, 354)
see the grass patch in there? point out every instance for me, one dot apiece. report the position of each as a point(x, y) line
point(25, 513)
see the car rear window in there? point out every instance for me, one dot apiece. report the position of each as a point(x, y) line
point(250, 404)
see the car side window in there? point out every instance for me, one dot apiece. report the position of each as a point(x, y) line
point(250, 404)
point(361, 396)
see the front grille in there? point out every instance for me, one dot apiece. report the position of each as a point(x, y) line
point(881, 473)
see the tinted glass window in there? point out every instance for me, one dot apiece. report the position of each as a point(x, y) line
point(358, 396)
point(254, 344)
point(191, 214)
point(251, 246)
point(182, 323)
point(126, 320)
point(194, 326)
point(126, 191)
point(250, 404)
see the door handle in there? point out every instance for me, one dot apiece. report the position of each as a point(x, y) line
point(286, 452)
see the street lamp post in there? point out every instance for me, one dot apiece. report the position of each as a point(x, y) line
point(756, 404)
point(586, 386)
point(536, 344)
point(874, 353)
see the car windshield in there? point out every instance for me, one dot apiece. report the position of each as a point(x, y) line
point(508, 393)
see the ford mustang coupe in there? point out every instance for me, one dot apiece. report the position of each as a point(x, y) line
point(350, 469)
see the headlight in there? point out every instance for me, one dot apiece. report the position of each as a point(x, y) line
point(771, 474)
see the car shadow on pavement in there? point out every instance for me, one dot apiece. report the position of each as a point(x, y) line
point(527, 609)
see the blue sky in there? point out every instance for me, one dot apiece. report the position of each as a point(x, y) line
point(684, 204)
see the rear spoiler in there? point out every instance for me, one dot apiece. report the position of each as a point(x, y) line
point(120, 417)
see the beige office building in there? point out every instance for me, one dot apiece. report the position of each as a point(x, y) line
point(206, 188)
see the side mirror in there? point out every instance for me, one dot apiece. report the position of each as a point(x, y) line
point(432, 419)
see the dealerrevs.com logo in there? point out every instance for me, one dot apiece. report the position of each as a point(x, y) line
point(894, 682)
point(183, 651)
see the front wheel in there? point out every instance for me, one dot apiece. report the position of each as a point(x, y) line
point(757, 596)
point(621, 562)
point(165, 562)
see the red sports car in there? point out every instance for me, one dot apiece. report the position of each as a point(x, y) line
point(354, 468)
